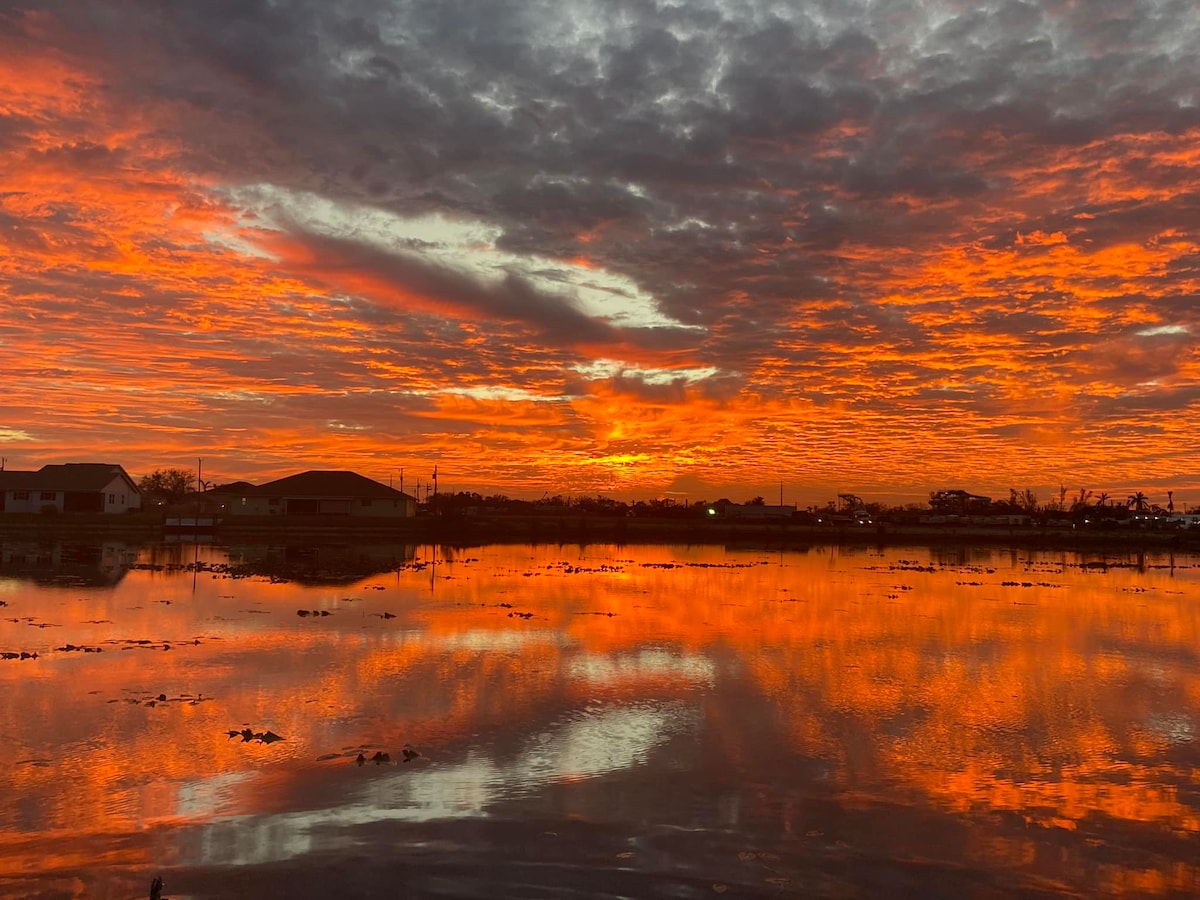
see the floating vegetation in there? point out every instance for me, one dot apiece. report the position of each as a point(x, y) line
point(18, 654)
point(248, 734)
point(304, 613)
point(158, 699)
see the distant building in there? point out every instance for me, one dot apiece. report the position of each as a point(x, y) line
point(314, 493)
point(757, 511)
point(69, 488)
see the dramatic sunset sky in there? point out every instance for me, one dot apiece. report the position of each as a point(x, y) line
point(620, 246)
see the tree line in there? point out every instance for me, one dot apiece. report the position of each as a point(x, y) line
point(170, 486)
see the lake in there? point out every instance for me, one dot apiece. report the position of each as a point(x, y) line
point(597, 721)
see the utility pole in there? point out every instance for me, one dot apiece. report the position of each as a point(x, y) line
point(434, 490)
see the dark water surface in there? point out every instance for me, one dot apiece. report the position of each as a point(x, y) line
point(598, 721)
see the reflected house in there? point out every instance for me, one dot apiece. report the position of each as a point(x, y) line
point(82, 564)
point(69, 488)
point(318, 493)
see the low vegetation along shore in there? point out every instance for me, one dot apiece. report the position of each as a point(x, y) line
point(575, 528)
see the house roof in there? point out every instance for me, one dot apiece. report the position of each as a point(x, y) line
point(318, 483)
point(17, 480)
point(81, 476)
point(234, 487)
point(72, 477)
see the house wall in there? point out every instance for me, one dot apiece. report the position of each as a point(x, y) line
point(119, 496)
point(748, 511)
point(245, 506)
point(22, 501)
point(377, 508)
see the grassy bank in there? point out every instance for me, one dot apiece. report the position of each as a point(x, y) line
point(563, 529)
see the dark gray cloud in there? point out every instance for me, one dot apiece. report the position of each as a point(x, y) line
point(835, 198)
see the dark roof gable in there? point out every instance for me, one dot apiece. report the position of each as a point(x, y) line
point(240, 488)
point(69, 477)
point(18, 480)
point(319, 483)
point(81, 476)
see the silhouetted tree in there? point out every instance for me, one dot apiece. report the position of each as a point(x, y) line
point(757, 501)
point(1137, 501)
point(1027, 500)
point(167, 485)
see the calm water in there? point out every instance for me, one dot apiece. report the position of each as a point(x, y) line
point(598, 722)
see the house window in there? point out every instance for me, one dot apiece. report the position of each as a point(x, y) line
point(122, 499)
point(112, 498)
point(20, 495)
point(48, 495)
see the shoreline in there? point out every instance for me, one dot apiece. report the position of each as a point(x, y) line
point(561, 529)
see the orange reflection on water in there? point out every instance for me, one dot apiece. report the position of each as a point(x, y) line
point(988, 688)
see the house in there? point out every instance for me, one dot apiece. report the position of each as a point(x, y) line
point(758, 511)
point(238, 498)
point(69, 488)
point(319, 493)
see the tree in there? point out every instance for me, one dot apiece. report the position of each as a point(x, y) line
point(165, 486)
point(1027, 500)
point(1137, 502)
point(757, 501)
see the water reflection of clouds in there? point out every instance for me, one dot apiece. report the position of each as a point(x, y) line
point(642, 665)
point(1173, 728)
point(588, 743)
point(486, 639)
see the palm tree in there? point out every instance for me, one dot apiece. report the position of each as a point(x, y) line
point(1170, 501)
point(1137, 501)
point(1102, 498)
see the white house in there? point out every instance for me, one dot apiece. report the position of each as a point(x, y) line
point(69, 488)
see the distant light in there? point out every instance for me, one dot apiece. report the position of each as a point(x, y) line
point(711, 511)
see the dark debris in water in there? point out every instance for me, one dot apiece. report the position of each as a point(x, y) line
point(18, 654)
point(248, 734)
point(163, 699)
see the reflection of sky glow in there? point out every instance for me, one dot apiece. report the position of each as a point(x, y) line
point(1049, 709)
point(592, 744)
point(646, 664)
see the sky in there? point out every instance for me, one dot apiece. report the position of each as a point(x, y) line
point(622, 247)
